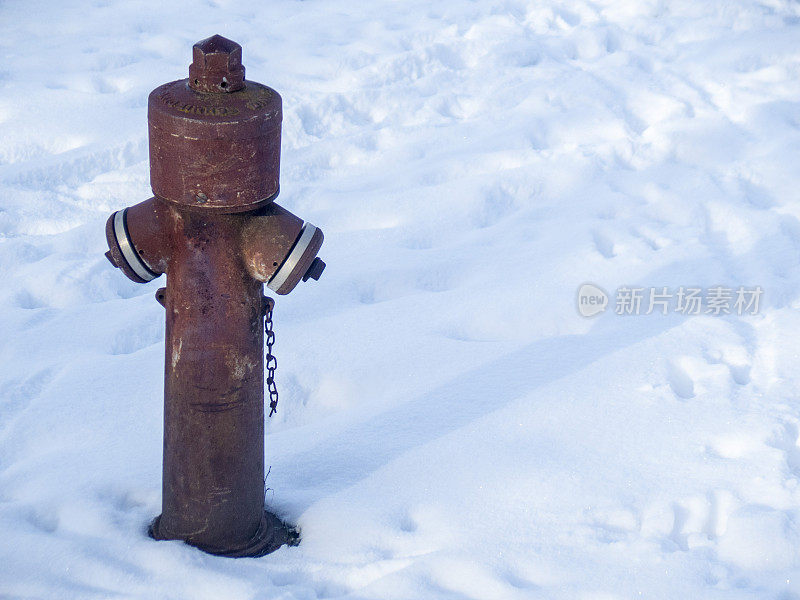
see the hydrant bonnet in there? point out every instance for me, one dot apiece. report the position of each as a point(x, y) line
point(214, 137)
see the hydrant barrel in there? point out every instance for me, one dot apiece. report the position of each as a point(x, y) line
point(213, 488)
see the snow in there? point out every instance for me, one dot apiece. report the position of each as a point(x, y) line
point(449, 426)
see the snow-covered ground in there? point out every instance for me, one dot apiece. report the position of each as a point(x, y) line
point(450, 426)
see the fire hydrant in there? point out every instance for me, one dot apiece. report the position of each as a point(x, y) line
point(213, 227)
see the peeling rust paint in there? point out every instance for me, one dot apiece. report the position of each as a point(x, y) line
point(177, 344)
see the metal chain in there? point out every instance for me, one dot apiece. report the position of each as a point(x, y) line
point(271, 362)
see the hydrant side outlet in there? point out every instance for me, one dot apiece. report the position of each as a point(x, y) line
point(214, 229)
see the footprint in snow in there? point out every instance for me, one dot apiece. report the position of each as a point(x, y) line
point(787, 440)
point(680, 381)
point(26, 300)
point(408, 524)
point(18, 393)
point(612, 526)
point(496, 204)
point(137, 335)
point(43, 519)
point(699, 521)
point(603, 245)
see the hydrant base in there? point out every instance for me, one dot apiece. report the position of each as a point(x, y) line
point(272, 534)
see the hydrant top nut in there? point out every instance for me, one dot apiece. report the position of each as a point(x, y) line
point(217, 66)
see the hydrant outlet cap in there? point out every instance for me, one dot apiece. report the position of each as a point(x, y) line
point(299, 261)
point(216, 66)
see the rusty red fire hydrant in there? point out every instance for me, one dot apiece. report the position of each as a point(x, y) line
point(213, 227)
